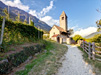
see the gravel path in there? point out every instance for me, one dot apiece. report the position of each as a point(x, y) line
point(74, 63)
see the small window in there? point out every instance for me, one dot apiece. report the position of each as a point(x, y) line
point(62, 18)
point(54, 33)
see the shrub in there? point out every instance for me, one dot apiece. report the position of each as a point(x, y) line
point(78, 37)
point(19, 32)
point(96, 39)
point(4, 68)
point(16, 59)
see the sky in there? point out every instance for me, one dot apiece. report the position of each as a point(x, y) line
point(82, 14)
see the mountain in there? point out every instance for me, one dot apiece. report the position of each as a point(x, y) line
point(13, 13)
point(91, 35)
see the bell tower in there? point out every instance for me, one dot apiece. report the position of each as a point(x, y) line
point(63, 21)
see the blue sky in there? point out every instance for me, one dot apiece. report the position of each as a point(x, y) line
point(82, 14)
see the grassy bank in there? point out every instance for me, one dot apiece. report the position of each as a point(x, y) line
point(47, 62)
point(96, 64)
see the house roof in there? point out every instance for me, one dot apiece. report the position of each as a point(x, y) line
point(59, 28)
point(55, 35)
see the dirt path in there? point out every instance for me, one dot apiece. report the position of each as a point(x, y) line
point(74, 63)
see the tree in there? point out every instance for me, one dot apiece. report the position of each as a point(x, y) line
point(97, 38)
point(78, 37)
point(18, 17)
point(6, 13)
point(25, 21)
point(32, 23)
point(71, 31)
point(98, 25)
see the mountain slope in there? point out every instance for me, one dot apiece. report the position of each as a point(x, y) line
point(91, 35)
point(13, 13)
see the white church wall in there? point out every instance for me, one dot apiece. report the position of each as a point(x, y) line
point(54, 31)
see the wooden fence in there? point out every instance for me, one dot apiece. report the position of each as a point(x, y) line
point(93, 51)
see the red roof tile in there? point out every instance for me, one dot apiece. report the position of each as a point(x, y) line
point(59, 28)
point(55, 35)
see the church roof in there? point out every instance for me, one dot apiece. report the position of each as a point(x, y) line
point(59, 28)
point(55, 35)
point(63, 13)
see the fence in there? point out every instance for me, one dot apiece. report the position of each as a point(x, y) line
point(93, 51)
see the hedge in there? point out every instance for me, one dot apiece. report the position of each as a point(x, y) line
point(16, 59)
point(17, 32)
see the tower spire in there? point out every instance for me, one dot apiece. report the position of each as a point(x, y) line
point(63, 21)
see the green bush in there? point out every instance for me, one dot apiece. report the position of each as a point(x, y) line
point(4, 68)
point(96, 39)
point(19, 32)
point(78, 37)
point(16, 59)
point(46, 36)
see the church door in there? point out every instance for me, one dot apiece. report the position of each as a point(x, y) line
point(58, 39)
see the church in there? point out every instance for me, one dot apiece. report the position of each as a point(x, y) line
point(60, 33)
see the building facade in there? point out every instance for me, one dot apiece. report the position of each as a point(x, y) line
point(60, 33)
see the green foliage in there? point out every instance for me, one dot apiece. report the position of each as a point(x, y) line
point(98, 22)
point(18, 17)
point(50, 56)
point(46, 36)
point(96, 39)
point(6, 13)
point(16, 59)
point(99, 25)
point(78, 37)
point(25, 21)
point(32, 23)
point(99, 29)
point(4, 68)
point(18, 32)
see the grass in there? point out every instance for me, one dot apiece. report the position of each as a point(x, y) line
point(47, 62)
point(96, 64)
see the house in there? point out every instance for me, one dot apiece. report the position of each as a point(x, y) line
point(60, 33)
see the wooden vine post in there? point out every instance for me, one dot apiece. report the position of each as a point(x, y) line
point(93, 50)
point(89, 50)
point(83, 45)
point(2, 31)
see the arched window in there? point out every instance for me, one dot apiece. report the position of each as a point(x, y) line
point(62, 18)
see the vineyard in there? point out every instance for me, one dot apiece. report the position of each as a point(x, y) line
point(16, 32)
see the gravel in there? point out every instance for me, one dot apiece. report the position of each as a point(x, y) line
point(74, 63)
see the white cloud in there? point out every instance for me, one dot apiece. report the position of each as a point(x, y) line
point(43, 11)
point(34, 13)
point(47, 9)
point(85, 32)
point(74, 27)
point(49, 20)
point(42, 15)
point(16, 3)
